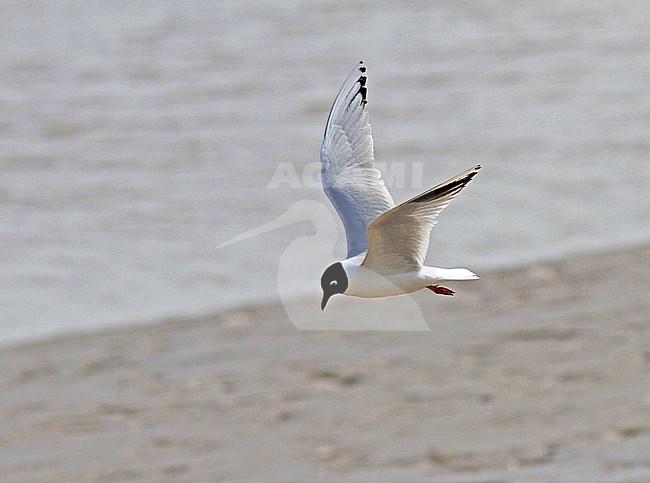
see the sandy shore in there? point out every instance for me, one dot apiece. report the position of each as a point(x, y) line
point(537, 373)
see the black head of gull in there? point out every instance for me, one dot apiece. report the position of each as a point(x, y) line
point(333, 281)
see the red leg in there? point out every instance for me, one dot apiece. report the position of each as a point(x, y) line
point(440, 290)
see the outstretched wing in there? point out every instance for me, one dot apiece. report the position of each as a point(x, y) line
point(350, 179)
point(399, 239)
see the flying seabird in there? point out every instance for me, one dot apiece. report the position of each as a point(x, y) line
point(386, 243)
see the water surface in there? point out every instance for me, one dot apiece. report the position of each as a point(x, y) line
point(136, 138)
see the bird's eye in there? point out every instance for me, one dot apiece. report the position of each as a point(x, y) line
point(333, 282)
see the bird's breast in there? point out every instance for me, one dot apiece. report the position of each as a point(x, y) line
point(366, 283)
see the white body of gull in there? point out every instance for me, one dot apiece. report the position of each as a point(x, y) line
point(386, 243)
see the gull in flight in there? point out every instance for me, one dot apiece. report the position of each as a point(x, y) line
point(386, 243)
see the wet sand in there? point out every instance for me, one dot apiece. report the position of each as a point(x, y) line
point(537, 373)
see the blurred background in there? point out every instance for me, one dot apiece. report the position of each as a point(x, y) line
point(137, 137)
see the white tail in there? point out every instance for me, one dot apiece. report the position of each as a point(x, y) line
point(454, 274)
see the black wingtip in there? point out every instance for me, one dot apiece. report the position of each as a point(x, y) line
point(363, 90)
point(449, 187)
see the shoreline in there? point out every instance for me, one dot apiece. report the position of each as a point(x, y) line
point(539, 372)
point(273, 303)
